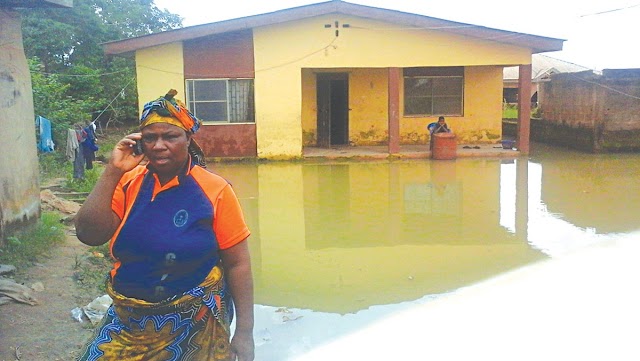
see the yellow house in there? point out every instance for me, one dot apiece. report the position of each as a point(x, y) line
point(332, 74)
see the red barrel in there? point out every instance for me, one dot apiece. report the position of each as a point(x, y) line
point(444, 146)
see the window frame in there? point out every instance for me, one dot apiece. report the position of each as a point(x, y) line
point(433, 73)
point(192, 103)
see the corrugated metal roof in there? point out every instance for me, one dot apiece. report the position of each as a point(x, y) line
point(542, 66)
point(536, 43)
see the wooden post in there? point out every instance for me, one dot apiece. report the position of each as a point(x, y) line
point(524, 108)
point(394, 110)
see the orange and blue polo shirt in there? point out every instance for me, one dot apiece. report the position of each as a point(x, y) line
point(170, 236)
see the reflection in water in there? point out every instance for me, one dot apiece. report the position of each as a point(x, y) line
point(341, 237)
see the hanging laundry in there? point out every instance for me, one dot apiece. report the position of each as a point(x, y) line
point(89, 146)
point(72, 145)
point(78, 153)
point(45, 143)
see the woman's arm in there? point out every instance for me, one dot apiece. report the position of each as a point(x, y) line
point(96, 222)
point(237, 267)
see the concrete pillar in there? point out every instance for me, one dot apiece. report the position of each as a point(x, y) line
point(19, 185)
point(394, 110)
point(524, 109)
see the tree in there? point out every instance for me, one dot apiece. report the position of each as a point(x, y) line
point(72, 79)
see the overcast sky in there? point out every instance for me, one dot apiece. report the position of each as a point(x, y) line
point(598, 32)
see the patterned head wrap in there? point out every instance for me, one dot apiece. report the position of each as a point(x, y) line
point(167, 109)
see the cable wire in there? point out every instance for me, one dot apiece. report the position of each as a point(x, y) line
point(112, 100)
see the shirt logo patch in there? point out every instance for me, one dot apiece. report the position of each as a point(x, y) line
point(180, 219)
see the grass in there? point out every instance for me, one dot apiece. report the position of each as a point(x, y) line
point(54, 165)
point(28, 246)
point(91, 269)
point(510, 111)
point(87, 183)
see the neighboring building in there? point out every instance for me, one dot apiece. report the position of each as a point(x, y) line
point(592, 112)
point(19, 172)
point(542, 67)
point(332, 74)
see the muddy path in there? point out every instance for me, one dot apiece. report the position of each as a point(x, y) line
point(47, 331)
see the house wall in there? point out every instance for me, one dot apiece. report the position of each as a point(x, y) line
point(159, 69)
point(282, 50)
point(482, 118)
point(228, 140)
point(591, 112)
point(368, 115)
point(229, 56)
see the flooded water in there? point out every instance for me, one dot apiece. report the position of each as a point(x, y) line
point(341, 237)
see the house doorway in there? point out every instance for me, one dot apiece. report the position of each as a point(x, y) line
point(333, 109)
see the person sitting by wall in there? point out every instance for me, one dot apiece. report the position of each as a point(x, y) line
point(439, 127)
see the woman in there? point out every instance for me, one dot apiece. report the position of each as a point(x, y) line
point(178, 237)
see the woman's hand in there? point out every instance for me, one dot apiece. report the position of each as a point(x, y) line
point(242, 346)
point(95, 221)
point(236, 263)
point(123, 156)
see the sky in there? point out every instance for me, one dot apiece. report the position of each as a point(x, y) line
point(598, 33)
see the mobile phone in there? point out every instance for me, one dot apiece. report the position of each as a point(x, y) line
point(137, 148)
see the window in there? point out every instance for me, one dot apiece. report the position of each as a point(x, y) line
point(221, 100)
point(433, 91)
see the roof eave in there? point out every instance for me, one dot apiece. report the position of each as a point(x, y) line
point(537, 44)
point(18, 4)
point(129, 45)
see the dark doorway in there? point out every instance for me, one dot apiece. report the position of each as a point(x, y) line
point(333, 109)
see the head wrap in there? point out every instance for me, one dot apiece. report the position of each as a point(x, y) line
point(167, 109)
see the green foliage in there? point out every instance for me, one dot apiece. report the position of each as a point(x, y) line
point(87, 183)
point(53, 165)
point(509, 111)
point(73, 82)
point(536, 112)
point(53, 100)
point(69, 37)
point(27, 246)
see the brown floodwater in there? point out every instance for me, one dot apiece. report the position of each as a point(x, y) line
point(343, 236)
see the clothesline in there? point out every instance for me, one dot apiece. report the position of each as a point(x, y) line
point(111, 102)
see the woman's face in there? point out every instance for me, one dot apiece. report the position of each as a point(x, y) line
point(166, 147)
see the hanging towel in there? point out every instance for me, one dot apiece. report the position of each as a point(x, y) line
point(45, 144)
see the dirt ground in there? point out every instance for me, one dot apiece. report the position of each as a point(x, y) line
point(47, 331)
